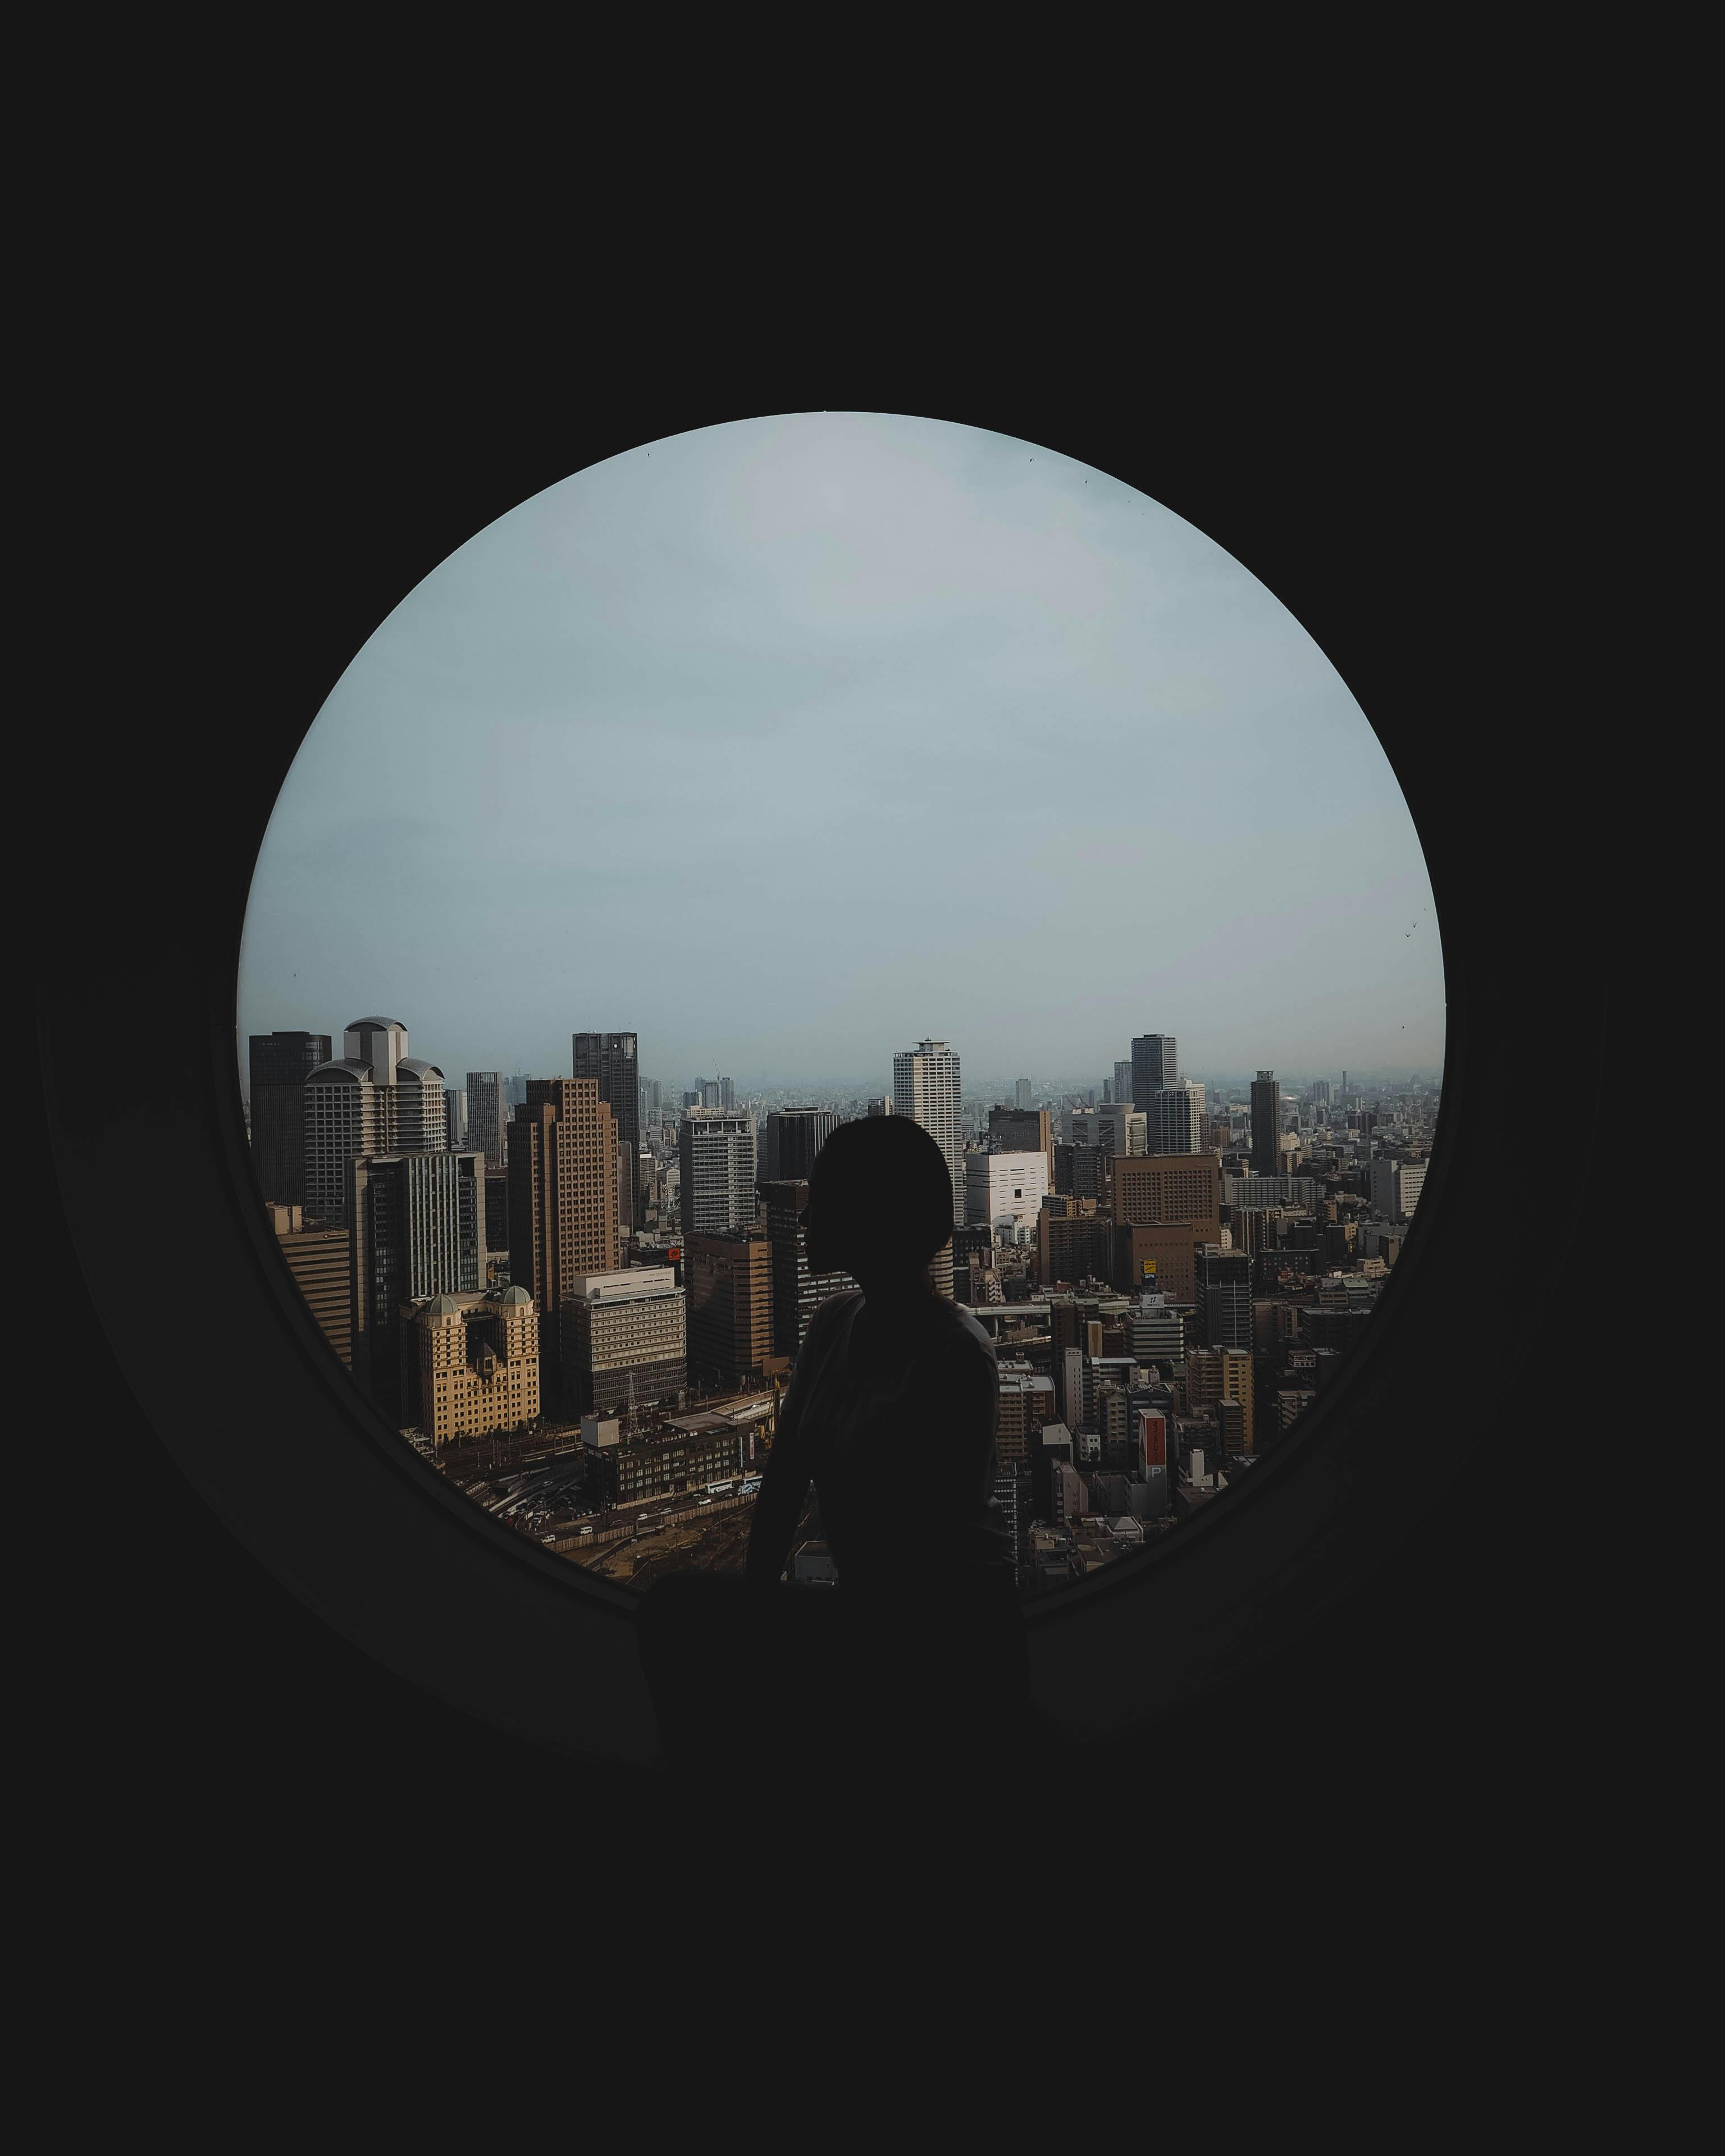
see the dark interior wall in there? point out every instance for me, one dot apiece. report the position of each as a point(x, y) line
point(1403, 536)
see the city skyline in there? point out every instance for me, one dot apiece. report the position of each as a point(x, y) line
point(988, 1088)
point(787, 743)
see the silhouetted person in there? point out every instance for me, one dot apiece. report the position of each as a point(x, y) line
point(914, 1660)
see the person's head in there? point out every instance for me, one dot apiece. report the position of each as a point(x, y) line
point(879, 1202)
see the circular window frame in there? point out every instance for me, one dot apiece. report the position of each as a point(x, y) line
point(407, 1568)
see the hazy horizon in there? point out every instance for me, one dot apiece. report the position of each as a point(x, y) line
point(789, 743)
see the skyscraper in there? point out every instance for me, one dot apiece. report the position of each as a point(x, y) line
point(486, 1114)
point(454, 1119)
point(797, 1292)
point(925, 1086)
point(611, 1058)
point(374, 1098)
point(1178, 1118)
point(562, 1197)
point(1021, 1093)
point(410, 1103)
point(794, 1138)
point(1115, 1129)
point(1155, 1064)
point(279, 1065)
point(1123, 1082)
point(1266, 1124)
point(716, 1155)
point(418, 1230)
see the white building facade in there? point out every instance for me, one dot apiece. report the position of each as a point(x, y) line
point(925, 1086)
point(1005, 1188)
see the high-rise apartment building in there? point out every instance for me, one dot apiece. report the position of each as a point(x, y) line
point(612, 1060)
point(487, 1114)
point(728, 1275)
point(342, 1126)
point(418, 1224)
point(373, 1099)
point(279, 1065)
point(410, 1092)
point(1026, 1407)
point(715, 1154)
point(925, 1086)
point(797, 1292)
point(562, 1199)
point(1266, 1124)
point(794, 1138)
point(1073, 1246)
point(1177, 1115)
point(625, 1339)
point(1155, 1064)
point(320, 1259)
point(1221, 1373)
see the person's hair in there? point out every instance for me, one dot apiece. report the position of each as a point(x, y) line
point(883, 1194)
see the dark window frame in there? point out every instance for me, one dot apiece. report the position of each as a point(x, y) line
point(485, 1619)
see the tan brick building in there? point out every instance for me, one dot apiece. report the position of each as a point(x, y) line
point(729, 1281)
point(478, 1364)
point(563, 1193)
point(1159, 1189)
point(320, 1259)
point(1027, 1405)
point(1214, 1374)
point(1166, 1207)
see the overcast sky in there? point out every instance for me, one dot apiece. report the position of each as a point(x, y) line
point(787, 742)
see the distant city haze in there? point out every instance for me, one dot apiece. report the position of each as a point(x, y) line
point(788, 743)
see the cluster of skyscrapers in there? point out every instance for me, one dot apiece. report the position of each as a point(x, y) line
point(1172, 1271)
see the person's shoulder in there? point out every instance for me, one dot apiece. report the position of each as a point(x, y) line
point(973, 1328)
point(970, 1332)
point(827, 1313)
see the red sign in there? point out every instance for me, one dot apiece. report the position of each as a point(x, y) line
point(1152, 1438)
